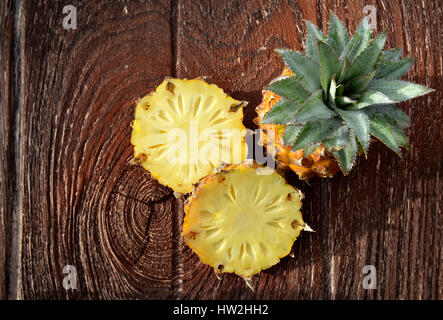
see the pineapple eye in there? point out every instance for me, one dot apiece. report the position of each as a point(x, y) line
point(235, 107)
point(170, 87)
point(295, 224)
point(191, 235)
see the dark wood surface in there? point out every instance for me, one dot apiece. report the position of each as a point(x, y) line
point(69, 195)
point(5, 111)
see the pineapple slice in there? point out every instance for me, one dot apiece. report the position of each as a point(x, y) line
point(186, 129)
point(242, 222)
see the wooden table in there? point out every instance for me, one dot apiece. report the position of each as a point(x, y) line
point(69, 195)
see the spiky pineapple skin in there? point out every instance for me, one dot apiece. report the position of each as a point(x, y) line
point(318, 163)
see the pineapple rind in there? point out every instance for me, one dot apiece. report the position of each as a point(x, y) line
point(240, 222)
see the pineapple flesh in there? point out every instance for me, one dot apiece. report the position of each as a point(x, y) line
point(331, 99)
point(242, 222)
point(185, 130)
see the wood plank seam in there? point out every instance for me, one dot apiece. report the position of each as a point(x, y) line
point(177, 259)
point(15, 165)
point(178, 245)
point(5, 139)
point(174, 38)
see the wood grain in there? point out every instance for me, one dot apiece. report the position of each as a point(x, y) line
point(397, 226)
point(6, 37)
point(387, 212)
point(82, 203)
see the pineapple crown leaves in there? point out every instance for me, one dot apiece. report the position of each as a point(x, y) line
point(343, 91)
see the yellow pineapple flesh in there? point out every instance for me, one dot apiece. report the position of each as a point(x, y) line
point(242, 222)
point(186, 129)
point(318, 163)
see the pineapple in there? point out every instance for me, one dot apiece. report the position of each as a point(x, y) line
point(318, 163)
point(321, 112)
point(242, 222)
point(185, 130)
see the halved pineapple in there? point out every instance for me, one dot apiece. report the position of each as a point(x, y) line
point(330, 100)
point(186, 129)
point(242, 222)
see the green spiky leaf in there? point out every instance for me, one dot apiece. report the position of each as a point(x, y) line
point(289, 88)
point(358, 42)
point(303, 67)
point(391, 55)
point(381, 129)
point(313, 109)
point(340, 90)
point(310, 149)
point(358, 84)
point(281, 112)
point(396, 119)
point(398, 90)
point(346, 70)
point(390, 111)
point(291, 134)
point(337, 139)
point(312, 36)
point(370, 98)
point(351, 47)
point(393, 70)
point(332, 89)
point(358, 121)
point(347, 155)
point(337, 34)
point(315, 132)
point(366, 61)
point(399, 134)
point(344, 101)
point(329, 64)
